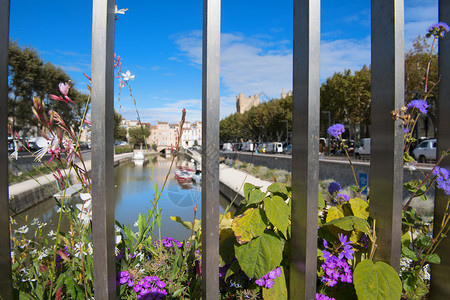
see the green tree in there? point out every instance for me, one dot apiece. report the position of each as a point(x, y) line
point(347, 98)
point(30, 77)
point(138, 135)
point(416, 61)
point(120, 133)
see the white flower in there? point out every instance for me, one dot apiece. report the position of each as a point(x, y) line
point(118, 239)
point(15, 154)
point(127, 76)
point(412, 166)
point(23, 229)
point(46, 145)
point(51, 234)
point(85, 209)
point(121, 11)
point(136, 224)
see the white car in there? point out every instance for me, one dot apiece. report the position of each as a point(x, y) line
point(425, 151)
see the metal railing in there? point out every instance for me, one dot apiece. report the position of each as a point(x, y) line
point(386, 159)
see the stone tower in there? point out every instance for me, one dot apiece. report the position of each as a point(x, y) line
point(243, 103)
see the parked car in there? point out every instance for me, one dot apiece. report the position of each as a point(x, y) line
point(363, 148)
point(288, 149)
point(425, 151)
point(121, 143)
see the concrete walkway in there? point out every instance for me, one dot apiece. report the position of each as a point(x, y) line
point(232, 181)
point(27, 193)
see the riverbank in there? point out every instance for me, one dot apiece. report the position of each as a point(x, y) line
point(26, 194)
point(232, 183)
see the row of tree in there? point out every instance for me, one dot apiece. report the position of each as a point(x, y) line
point(344, 98)
point(29, 76)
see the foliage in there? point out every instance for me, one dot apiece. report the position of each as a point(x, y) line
point(138, 135)
point(30, 77)
point(120, 133)
point(123, 149)
point(263, 122)
point(347, 98)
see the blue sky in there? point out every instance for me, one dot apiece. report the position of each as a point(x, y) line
point(160, 43)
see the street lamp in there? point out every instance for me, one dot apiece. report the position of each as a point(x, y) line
point(287, 130)
point(328, 135)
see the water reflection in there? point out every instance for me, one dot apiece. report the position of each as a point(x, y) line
point(134, 193)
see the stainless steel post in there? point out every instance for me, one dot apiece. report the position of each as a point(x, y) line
point(440, 289)
point(210, 153)
point(305, 145)
point(386, 159)
point(6, 291)
point(102, 94)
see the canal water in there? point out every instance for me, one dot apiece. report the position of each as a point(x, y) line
point(134, 193)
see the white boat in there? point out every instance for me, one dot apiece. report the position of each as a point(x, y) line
point(138, 155)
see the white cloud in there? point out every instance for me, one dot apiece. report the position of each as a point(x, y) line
point(168, 111)
point(338, 55)
point(254, 64)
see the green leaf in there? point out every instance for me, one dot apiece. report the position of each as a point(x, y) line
point(406, 239)
point(334, 212)
point(279, 290)
point(278, 212)
point(260, 256)
point(359, 208)
point(350, 223)
point(321, 201)
point(409, 253)
point(248, 225)
point(248, 187)
point(376, 281)
point(433, 258)
point(187, 224)
point(277, 187)
point(256, 196)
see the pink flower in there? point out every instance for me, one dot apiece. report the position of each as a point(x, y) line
point(64, 88)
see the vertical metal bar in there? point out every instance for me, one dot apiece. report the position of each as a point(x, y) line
point(440, 289)
point(5, 250)
point(102, 94)
point(386, 162)
point(305, 142)
point(210, 154)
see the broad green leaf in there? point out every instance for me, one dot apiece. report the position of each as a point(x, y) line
point(406, 239)
point(359, 208)
point(277, 187)
point(279, 290)
point(187, 224)
point(260, 256)
point(334, 212)
point(406, 252)
point(278, 212)
point(248, 187)
point(376, 281)
point(321, 201)
point(248, 225)
point(255, 197)
point(226, 249)
point(433, 258)
point(350, 223)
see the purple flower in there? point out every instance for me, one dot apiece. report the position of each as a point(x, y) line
point(421, 105)
point(442, 179)
point(437, 30)
point(323, 297)
point(347, 250)
point(336, 269)
point(336, 131)
point(406, 130)
point(334, 187)
point(267, 280)
point(342, 198)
